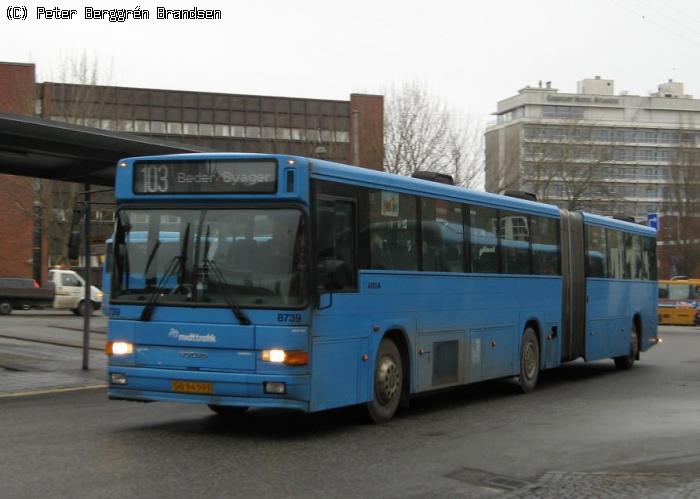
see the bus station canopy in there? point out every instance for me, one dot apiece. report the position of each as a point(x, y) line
point(35, 147)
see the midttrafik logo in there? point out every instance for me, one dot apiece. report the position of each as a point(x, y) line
point(196, 337)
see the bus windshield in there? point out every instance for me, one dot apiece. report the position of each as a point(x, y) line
point(207, 257)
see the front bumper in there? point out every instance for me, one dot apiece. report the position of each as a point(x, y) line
point(235, 389)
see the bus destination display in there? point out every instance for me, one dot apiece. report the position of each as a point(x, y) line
point(205, 177)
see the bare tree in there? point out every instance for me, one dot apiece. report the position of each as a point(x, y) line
point(681, 225)
point(563, 168)
point(466, 154)
point(77, 98)
point(420, 133)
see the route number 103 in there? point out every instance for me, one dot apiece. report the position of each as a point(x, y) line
point(155, 178)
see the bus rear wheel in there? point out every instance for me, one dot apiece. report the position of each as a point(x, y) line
point(228, 411)
point(529, 361)
point(388, 383)
point(627, 361)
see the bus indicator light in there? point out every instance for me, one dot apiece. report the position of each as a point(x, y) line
point(292, 358)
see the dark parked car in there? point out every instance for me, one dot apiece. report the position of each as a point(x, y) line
point(17, 293)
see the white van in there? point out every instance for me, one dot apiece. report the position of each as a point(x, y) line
point(70, 291)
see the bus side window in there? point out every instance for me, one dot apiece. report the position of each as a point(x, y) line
point(649, 257)
point(442, 233)
point(545, 246)
point(596, 253)
point(335, 244)
point(514, 238)
point(393, 230)
point(484, 239)
point(616, 255)
point(634, 268)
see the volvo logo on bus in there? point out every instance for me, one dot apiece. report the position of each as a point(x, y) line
point(193, 355)
point(201, 338)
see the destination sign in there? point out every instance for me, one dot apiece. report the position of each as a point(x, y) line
point(205, 177)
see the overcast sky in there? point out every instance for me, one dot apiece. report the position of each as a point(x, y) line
point(470, 53)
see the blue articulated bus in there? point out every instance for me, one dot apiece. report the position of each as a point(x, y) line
point(250, 280)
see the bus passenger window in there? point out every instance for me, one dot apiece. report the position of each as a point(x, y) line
point(616, 255)
point(649, 257)
point(679, 292)
point(545, 246)
point(484, 242)
point(633, 257)
point(335, 244)
point(392, 231)
point(596, 253)
point(514, 237)
point(443, 235)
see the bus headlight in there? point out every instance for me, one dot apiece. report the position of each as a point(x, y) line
point(291, 358)
point(119, 348)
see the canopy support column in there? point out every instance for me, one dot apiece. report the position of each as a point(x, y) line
point(87, 299)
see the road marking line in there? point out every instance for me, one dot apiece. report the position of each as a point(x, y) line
point(51, 342)
point(52, 390)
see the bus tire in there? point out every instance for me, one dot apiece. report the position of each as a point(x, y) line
point(529, 361)
point(388, 383)
point(5, 308)
point(627, 361)
point(228, 411)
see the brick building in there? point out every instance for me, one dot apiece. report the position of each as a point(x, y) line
point(347, 131)
point(16, 193)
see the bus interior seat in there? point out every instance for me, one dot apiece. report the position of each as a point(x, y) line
point(453, 259)
point(487, 262)
point(432, 249)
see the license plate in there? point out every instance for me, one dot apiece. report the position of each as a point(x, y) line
point(192, 387)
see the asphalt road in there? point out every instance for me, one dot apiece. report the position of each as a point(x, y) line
point(585, 427)
point(58, 327)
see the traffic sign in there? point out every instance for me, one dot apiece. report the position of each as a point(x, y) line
point(653, 220)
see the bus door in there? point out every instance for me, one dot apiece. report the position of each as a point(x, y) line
point(339, 376)
point(574, 286)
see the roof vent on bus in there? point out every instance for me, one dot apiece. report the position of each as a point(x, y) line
point(624, 218)
point(442, 178)
point(529, 196)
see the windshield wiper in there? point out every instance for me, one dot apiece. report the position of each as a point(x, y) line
point(180, 259)
point(148, 308)
point(237, 311)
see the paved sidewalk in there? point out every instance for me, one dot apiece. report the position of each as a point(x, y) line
point(28, 367)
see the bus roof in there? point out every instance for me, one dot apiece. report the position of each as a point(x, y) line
point(366, 177)
point(373, 178)
point(612, 223)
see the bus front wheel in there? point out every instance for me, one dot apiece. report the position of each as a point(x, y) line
point(627, 361)
point(529, 361)
point(388, 383)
